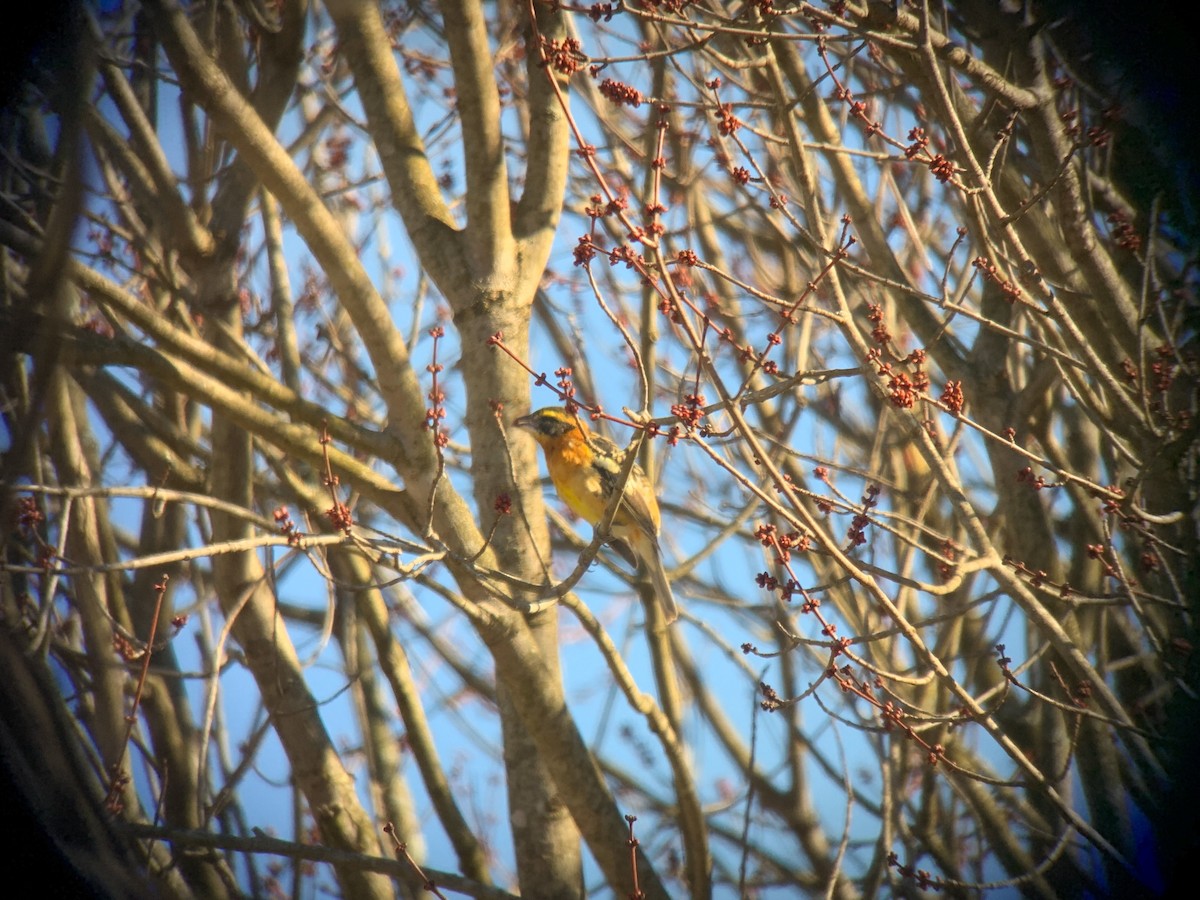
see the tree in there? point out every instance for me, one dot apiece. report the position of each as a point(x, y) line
point(867, 288)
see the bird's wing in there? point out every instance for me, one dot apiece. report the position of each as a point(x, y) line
point(607, 459)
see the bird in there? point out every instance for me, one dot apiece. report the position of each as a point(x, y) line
point(585, 468)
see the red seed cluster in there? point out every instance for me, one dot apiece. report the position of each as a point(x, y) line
point(621, 94)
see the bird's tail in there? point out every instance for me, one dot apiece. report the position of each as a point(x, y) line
point(662, 585)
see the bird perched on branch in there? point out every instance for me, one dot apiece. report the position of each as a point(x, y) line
point(586, 469)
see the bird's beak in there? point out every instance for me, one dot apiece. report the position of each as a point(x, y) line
point(523, 422)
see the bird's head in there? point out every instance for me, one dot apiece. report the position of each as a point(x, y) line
point(550, 423)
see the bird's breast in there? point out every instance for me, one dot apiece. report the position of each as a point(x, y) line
point(576, 482)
